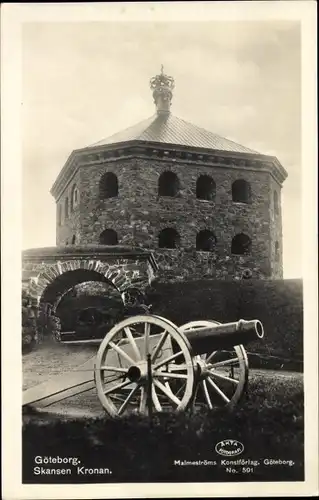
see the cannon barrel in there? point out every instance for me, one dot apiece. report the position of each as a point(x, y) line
point(207, 339)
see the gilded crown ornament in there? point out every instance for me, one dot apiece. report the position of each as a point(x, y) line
point(162, 86)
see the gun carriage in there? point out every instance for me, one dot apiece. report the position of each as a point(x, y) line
point(145, 363)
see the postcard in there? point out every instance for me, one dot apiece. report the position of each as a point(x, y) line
point(160, 330)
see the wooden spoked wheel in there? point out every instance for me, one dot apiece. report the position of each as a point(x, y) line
point(222, 375)
point(139, 366)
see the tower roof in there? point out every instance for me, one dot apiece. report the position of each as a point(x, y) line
point(165, 128)
point(169, 129)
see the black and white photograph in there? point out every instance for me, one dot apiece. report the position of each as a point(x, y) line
point(166, 249)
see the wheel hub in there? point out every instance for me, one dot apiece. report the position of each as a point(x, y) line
point(138, 372)
point(203, 369)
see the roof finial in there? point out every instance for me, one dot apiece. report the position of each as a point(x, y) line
point(162, 86)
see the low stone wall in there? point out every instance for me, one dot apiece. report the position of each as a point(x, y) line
point(188, 264)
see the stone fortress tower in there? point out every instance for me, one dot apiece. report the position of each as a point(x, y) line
point(206, 206)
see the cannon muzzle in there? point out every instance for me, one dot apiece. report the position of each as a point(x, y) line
point(215, 337)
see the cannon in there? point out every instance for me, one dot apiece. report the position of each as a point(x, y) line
point(145, 363)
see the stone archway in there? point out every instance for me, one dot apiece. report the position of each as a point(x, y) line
point(54, 286)
point(54, 291)
point(49, 273)
point(122, 277)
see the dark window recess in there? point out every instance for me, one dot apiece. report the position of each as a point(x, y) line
point(276, 204)
point(108, 187)
point(73, 239)
point(205, 188)
point(241, 191)
point(108, 237)
point(276, 250)
point(74, 197)
point(241, 244)
point(205, 241)
point(168, 238)
point(168, 184)
point(66, 207)
point(59, 215)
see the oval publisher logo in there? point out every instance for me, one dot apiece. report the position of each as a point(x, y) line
point(229, 448)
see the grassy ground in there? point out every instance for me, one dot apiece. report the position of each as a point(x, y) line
point(269, 423)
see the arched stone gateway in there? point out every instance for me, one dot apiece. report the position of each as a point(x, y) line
point(49, 273)
point(54, 291)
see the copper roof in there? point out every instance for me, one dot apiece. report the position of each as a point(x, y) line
point(168, 129)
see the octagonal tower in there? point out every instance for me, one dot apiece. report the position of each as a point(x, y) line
point(206, 206)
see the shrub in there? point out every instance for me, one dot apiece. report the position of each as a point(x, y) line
point(29, 326)
point(49, 326)
point(278, 304)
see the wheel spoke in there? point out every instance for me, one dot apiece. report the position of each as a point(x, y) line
point(218, 390)
point(156, 402)
point(167, 393)
point(113, 369)
point(195, 394)
point(222, 377)
point(207, 397)
point(129, 397)
point(168, 387)
point(170, 375)
point(147, 328)
point(210, 356)
point(117, 387)
point(167, 360)
point(121, 353)
point(224, 363)
point(132, 342)
point(117, 398)
point(177, 367)
point(180, 388)
point(110, 379)
point(143, 400)
point(159, 345)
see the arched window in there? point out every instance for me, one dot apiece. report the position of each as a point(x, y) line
point(276, 205)
point(277, 250)
point(168, 238)
point(59, 215)
point(205, 241)
point(108, 237)
point(205, 188)
point(108, 187)
point(168, 184)
point(66, 207)
point(73, 239)
point(241, 191)
point(74, 197)
point(241, 244)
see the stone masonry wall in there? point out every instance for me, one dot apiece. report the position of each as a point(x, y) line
point(138, 214)
point(276, 255)
point(70, 226)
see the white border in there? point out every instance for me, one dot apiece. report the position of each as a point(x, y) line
point(13, 15)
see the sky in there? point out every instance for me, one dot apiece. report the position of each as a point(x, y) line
point(82, 82)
